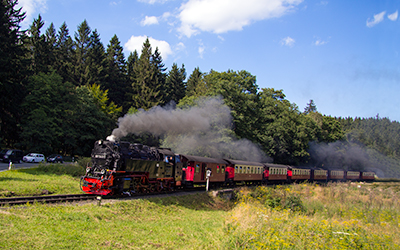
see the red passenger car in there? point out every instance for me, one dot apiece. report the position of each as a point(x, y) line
point(336, 175)
point(367, 176)
point(246, 172)
point(196, 167)
point(319, 175)
point(275, 173)
point(298, 174)
point(353, 175)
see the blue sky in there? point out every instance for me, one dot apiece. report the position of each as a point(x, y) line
point(342, 54)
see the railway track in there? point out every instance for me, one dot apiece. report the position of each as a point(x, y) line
point(46, 199)
point(83, 197)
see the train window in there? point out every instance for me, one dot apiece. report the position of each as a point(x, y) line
point(240, 169)
point(223, 170)
point(197, 168)
point(217, 169)
point(236, 169)
point(248, 170)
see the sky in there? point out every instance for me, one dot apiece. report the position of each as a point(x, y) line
point(344, 55)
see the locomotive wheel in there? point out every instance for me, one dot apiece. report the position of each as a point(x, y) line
point(158, 187)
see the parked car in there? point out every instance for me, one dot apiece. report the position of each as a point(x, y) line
point(12, 155)
point(2, 153)
point(34, 157)
point(55, 158)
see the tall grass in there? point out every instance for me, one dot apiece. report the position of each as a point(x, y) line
point(306, 216)
point(299, 216)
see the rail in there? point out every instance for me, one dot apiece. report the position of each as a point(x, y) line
point(45, 199)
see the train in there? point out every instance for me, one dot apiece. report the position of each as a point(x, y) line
point(124, 168)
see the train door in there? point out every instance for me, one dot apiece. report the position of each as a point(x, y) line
point(203, 171)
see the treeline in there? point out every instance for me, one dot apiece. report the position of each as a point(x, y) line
point(61, 93)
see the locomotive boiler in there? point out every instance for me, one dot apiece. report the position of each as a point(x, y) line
point(125, 168)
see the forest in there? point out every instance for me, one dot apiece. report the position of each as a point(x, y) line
point(60, 93)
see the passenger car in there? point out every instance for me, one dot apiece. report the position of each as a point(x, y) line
point(55, 158)
point(34, 157)
point(13, 155)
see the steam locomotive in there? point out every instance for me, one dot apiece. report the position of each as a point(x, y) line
point(124, 168)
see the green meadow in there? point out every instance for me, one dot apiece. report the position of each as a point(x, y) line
point(299, 216)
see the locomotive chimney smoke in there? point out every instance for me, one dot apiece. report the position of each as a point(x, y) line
point(350, 156)
point(160, 121)
point(202, 130)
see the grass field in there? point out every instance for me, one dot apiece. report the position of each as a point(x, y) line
point(300, 216)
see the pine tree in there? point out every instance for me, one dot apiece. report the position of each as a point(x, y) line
point(116, 77)
point(160, 75)
point(310, 108)
point(175, 84)
point(82, 43)
point(13, 71)
point(96, 61)
point(51, 44)
point(64, 54)
point(195, 85)
point(38, 46)
point(147, 93)
point(131, 78)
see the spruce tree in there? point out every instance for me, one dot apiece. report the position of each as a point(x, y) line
point(96, 61)
point(82, 43)
point(195, 84)
point(147, 93)
point(38, 46)
point(175, 84)
point(116, 77)
point(64, 54)
point(13, 71)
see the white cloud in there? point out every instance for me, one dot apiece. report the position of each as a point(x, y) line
point(31, 7)
point(219, 16)
point(319, 42)
point(153, 1)
point(288, 41)
point(136, 43)
point(377, 19)
point(201, 51)
point(149, 20)
point(393, 17)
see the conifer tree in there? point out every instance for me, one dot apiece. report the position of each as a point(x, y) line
point(160, 75)
point(195, 84)
point(116, 77)
point(13, 70)
point(82, 43)
point(51, 44)
point(96, 62)
point(131, 78)
point(175, 84)
point(64, 54)
point(38, 46)
point(147, 93)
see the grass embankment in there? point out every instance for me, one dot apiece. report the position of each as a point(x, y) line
point(44, 179)
point(304, 216)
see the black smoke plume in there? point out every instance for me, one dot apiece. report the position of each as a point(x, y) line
point(202, 130)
